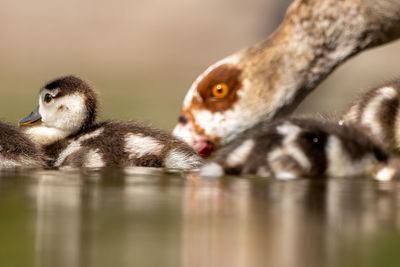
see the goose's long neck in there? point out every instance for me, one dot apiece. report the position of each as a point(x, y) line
point(315, 37)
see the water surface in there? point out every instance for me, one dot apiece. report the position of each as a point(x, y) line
point(147, 217)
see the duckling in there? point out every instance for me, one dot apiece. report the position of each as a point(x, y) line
point(298, 147)
point(65, 126)
point(17, 150)
point(268, 80)
point(378, 112)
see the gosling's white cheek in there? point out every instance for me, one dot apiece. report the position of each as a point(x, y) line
point(67, 112)
point(47, 112)
point(72, 111)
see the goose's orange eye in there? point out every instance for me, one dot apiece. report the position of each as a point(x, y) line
point(220, 91)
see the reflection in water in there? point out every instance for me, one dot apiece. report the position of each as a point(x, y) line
point(146, 217)
point(237, 222)
point(106, 218)
point(60, 200)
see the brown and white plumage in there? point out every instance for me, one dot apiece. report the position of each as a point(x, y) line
point(298, 147)
point(268, 80)
point(377, 111)
point(17, 150)
point(122, 144)
point(64, 124)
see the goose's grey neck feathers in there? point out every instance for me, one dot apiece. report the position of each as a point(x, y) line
point(268, 80)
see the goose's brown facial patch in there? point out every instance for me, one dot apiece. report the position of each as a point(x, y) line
point(212, 106)
point(218, 89)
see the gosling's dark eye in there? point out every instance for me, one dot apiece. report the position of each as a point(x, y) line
point(47, 98)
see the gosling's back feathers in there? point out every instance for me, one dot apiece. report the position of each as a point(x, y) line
point(296, 148)
point(17, 150)
point(377, 111)
point(123, 144)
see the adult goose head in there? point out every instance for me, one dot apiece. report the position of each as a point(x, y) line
point(269, 79)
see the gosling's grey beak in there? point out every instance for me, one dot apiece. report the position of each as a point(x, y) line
point(31, 119)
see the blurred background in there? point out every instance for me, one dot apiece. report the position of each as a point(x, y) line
point(142, 55)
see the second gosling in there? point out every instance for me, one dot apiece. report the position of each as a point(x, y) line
point(64, 124)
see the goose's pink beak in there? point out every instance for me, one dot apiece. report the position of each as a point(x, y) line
point(203, 147)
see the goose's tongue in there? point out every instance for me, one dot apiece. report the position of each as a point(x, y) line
point(203, 147)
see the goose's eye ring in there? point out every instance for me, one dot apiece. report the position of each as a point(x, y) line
point(47, 98)
point(220, 91)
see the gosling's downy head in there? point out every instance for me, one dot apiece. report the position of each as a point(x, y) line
point(66, 106)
